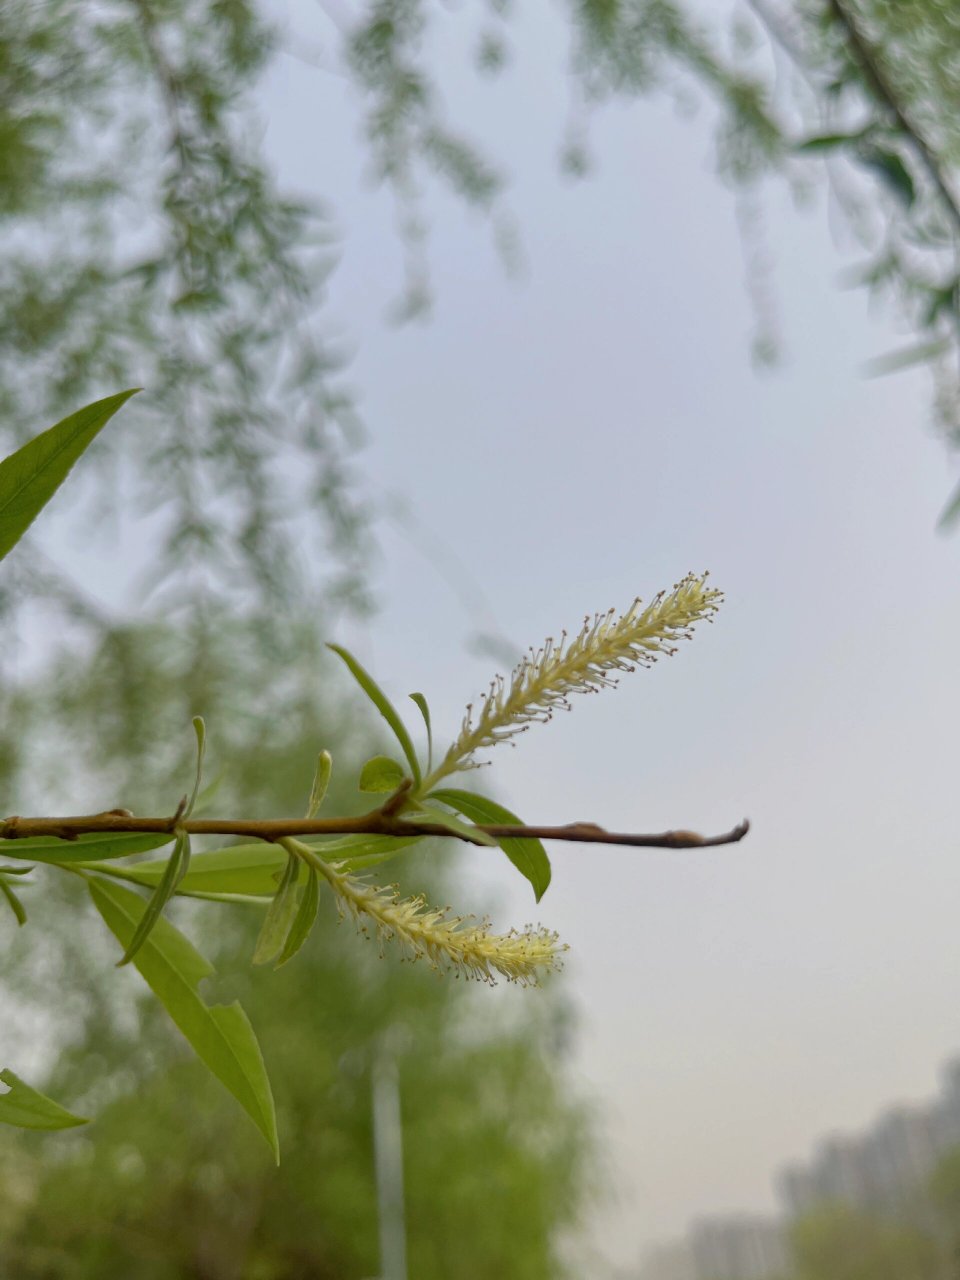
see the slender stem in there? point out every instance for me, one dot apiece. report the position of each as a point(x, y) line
point(380, 821)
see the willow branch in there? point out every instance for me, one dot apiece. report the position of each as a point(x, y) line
point(876, 77)
point(380, 822)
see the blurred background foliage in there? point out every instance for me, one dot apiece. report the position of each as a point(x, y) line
point(145, 242)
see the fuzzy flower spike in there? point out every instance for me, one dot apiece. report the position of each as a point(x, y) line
point(445, 941)
point(543, 681)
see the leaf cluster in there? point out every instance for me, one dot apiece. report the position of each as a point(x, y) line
point(285, 873)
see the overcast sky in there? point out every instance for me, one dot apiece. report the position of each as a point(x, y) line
point(591, 431)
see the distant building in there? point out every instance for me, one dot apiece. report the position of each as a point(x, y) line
point(742, 1247)
point(882, 1168)
point(876, 1171)
point(739, 1247)
point(670, 1262)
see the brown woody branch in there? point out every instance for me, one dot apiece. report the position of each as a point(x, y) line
point(382, 822)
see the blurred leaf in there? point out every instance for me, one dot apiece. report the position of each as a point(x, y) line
point(383, 705)
point(526, 854)
point(827, 141)
point(321, 780)
point(50, 849)
point(381, 774)
point(446, 822)
point(174, 872)
point(16, 906)
point(897, 360)
point(305, 919)
point(209, 793)
point(280, 915)
point(220, 1035)
point(27, 1109)
point(421, 702)
point(951, 512)
point(891, 170)
point(30, 477)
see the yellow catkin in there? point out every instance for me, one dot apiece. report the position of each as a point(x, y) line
point(445, 941)
point(544, 680)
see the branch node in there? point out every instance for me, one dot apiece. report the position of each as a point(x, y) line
point(174, 822)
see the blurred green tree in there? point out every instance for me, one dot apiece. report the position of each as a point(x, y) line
point(497, 1154)
point(500, 1156)
point(839, 1242)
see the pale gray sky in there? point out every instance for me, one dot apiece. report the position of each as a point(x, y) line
point(592, 431)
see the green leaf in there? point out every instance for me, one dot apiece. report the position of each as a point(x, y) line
point(321, 780)
point(421, 702)
point(28, 1109)
point(200, 729)
point(280, 915)
point(383, 705)
point(526, 854)
point(305, 919)
point(244, 869)
point(221, 1035)
point(827, 141)
point(951, 512)
point(381, 774)
point(905, 358)
point(891, 170)
point(447, 822)
point(250, 870)
point(356, 853)
point(175, 870)
point(16, 906)
point(30, 477)
point(50, 849)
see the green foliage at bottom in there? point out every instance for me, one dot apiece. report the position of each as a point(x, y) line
point(169, 1183)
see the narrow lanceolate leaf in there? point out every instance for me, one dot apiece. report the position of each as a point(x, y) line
point(321, 780)
point(200, 729)
point(446, 822)
point(828, 141)
point(280, 915)
point(380, 774)
point(176, 869)
point(357, 853)
point(250, 870)
point(383, 705)
point(30, 477)
point(27, 1109)
point(16, 906)
point(527, 855)
point(951, 512)
point(421, 702)
point(305, 918)
point(85, 849)
point(220, 1035)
